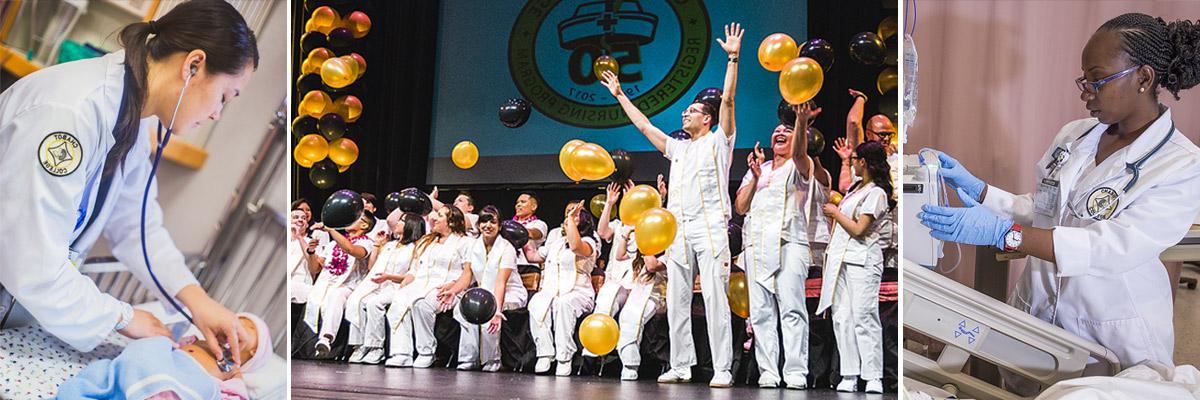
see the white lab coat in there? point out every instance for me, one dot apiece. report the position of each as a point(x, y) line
point(80, 98)
point(1108, 285)
point(474, 342)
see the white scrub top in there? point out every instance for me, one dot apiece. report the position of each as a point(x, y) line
point(564, 270)
point(698, 191)
point(1108, 284)
point(533, 225)
point(56, 128)
point(487, 265)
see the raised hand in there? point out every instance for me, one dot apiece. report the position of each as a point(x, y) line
point(755, 161)
point(733, 39)
point(614, 86)
point(842, 147)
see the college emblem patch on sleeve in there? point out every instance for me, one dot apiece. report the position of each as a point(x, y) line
point(60, 154)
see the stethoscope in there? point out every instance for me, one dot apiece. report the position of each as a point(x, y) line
point(225, 363)
point(1106, 198)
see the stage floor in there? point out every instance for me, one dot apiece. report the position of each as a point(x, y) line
point(320, 380)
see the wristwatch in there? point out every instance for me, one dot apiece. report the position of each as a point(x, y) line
point(1012, 239)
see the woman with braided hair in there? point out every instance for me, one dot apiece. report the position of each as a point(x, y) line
point(1113, 192)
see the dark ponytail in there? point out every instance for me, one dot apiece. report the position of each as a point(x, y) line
point(877, 165)
point(213, 26)
point(1172, 50)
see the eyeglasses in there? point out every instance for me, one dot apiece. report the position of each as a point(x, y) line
point(1094, 87)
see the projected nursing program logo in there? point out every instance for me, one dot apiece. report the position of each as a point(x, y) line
point(660, 47)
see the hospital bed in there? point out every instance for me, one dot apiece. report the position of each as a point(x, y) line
point(975, 326)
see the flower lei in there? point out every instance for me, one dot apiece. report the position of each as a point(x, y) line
point(525, 220)
point(340, 260)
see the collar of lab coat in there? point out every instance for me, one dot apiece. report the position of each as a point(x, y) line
point(1140, 146)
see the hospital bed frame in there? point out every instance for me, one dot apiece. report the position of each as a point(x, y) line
point(972, 324)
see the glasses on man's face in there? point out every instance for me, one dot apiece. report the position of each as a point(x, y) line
point(1094, 87)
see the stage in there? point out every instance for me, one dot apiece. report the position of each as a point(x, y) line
point(325, 380)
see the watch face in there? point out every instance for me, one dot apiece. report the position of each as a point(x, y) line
point(1013, 239)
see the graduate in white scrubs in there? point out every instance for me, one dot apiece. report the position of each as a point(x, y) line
point(367, 305)
point(775, 252)
point(75, 152)
point(613, 293)
point(854, 267)
point(566, 292)
point(495, 269)
point(699, 199)
point(646, 283)
point(300, 274)
point(526, 215)
point(1113, 192)
point(439, 259)
point(345, 263)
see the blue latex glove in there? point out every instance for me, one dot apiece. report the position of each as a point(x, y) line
point(973, 224)
point(956, 175)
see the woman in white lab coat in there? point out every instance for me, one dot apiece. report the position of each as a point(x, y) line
point(389, 263)
point(854, 267)
point(1113, 192)
point(495, 269)
point(440, 257)
point(75, 152)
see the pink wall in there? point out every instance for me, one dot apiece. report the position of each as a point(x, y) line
point(996, 82)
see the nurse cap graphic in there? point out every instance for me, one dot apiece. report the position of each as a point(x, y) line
point(60, 153)
point(1102, 202)
point(659, 46)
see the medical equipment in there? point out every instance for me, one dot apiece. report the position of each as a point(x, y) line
point(921, 186)
point(973, 325)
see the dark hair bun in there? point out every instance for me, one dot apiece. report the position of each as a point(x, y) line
point(1183, 72)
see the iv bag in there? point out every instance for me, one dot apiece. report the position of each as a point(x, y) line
point(910, 83)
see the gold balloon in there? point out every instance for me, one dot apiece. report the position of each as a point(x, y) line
point(835, 198)
point(324, 19)
point(303, 162)
point(362, 63)
point(887, 27)
point(316, 57)
point(776, 50)
point(605, 63)
point(591, 162)
point(337, 72)
point(343, 151)
point(312, 148)
point(358, 23)
point(349, 107)
point(353, 64)
point(465, 155)
point(800, 80)
point(598, 333)
point(596, 205)
point(564, 159)
point(886, 80)
point(309, 26)
point(316, 104)
point(739, 295)
point(343, 168)
point(636, 201)
point(655, 230)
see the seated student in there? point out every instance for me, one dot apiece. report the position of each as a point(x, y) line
point(344, 264)
point(300, 271)
point(566, 290)
point(647, 284)
point(494, 267)
point(440, 258)
point(389, 262)
point(157, 368)
point(369, 208)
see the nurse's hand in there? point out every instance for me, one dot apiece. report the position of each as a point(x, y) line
point(218, 325)
point(956, 175)
point(144, 325)
point(973, 224)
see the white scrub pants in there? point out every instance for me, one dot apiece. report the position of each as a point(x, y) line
point(560, 313)
point(375, 306)
point(332, 310)
point(475, 344)
point(638, 310)
point(419, 321)
point(856, 323)
point(609, 301)
point(785, 307)
point(714, 284)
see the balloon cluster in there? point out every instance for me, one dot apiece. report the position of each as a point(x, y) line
point(327, 108)
point(879, 48)
point(581, 160)
point(800, 76)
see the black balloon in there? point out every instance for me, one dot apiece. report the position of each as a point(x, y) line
point(332, 126)
point(735, 238)
point(303, 125)
point(514, 113)
point(391, 202)
point(313, 40)
point(514, 233)
point(342, 208)
point(680, 134)
point(413, 200)
point(308, 83)
point(816, 142)
point(820, 51)
point(624, 165)
point(867, 48)
point(787, 115)
point(478, 306)
point(711, 96)
point(323, 174)
point(890, 50)
point(341, 37)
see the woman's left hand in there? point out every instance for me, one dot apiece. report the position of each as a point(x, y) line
point(219, 325)
point(830, 210)
point(494, 324)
